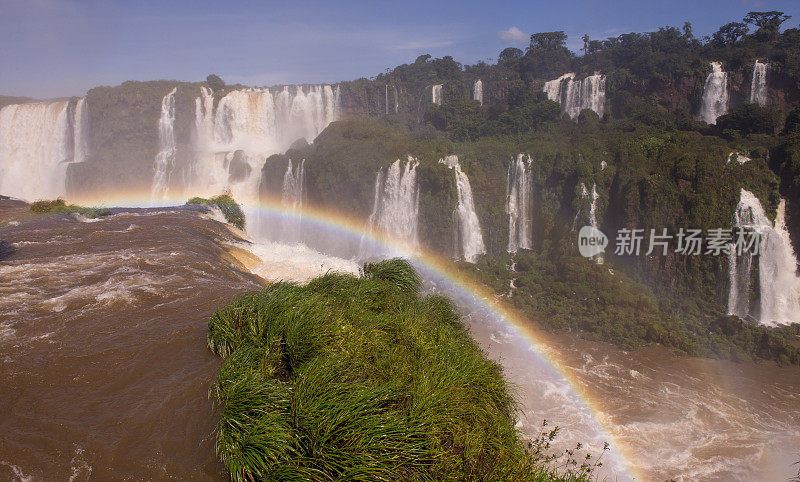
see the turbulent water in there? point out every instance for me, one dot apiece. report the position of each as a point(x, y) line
point(117, 309)
point(165, 159)
point(395, 206)
point(577, 95)
point(477, 91)
point(37, 142)
point(715, 94)
point(467, 237)
point(518, 204)
point(758, 86)
point(436, 94)
point(779, 285)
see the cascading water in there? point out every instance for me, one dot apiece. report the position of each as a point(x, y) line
point(758, 86)
point(292, 200)
point(518, 204)
point(396, 100)
point(593, 217)
point(395, 206)
point(165, 159)
point(477, 91)
point(468, 239)
point(575, 96)
point(37, 142)
point(436, 94)
point(553, 87)
point(779, 285)
point(715, 94)
point(231, 142)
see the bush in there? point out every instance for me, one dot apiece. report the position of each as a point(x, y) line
point(59, 206)
point(361, 378)
point(229, 207)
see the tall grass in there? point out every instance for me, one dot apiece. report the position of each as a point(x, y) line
point(362, 378)
point(229, 207)
point(59, 206)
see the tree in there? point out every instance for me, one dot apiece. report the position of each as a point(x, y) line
point(509, 54)
point(585, 39)
point(767, 22)
point(729, 33)
point(215, 82)
point(548, 41)
point(688, 32)
point(422, 59)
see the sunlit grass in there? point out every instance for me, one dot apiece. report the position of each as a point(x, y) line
point(229, 207)
point(362, 378)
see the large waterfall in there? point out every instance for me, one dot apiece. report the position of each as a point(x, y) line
point(436, 94)
point(715, 94)
point(37, 142)
point(477, 91)
point(395, 206)
point(231, 141)
point(292, 201)
point(165, 159)
point(779, 285)
point(468, 240)
point(577, 95)
point(758, 86)
point(518, 204)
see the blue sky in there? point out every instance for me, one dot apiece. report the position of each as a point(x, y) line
point(52, 48)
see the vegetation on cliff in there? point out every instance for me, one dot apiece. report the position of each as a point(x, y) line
point(229, 207)
point(363, 378)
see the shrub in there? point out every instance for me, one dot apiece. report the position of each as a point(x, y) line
point(362, 378)
point(59, 206)
point(229, 207)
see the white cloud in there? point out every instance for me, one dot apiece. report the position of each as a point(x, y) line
point(512, 35)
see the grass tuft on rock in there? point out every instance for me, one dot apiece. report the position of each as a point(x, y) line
point(362, 378)
point(229, 207)
point(59, 206)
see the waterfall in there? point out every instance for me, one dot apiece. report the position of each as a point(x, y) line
point(37, 142)
point(477, 91)
point(165, 159)
point(436, 94)
point(593, 216)
point(715, 94)
point(779, 285)
point(518, 204)
point(577, 95)
point(395, 206)
point(255, 123)
point(292, 201)
point(396, 100)
point(386, 93)
point(466, 223)
point(758, 86)
point(553, 87)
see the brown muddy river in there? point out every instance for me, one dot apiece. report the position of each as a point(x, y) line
point(104, 371)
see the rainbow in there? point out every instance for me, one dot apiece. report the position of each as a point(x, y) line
point(442, 271)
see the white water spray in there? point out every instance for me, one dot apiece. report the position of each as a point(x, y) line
point(165, 159)
point(758, 86)
point(518, 204)
point(575, 96)
point(779, 285)
point(292, 201)
point(395, 206)
point(715, 94)
point(477, 91)
point(467, 237)
point(436, 94)
point(37, 142)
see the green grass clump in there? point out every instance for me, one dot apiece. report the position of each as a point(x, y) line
point(59, 206)
point(362, 378)
point(229, 207)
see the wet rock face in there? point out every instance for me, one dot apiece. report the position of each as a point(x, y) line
point(239, 169)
